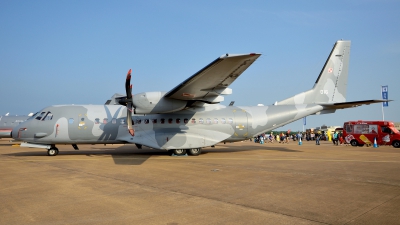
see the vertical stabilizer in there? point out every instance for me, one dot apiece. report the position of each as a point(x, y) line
point(331, 84)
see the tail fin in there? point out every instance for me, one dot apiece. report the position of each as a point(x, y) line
point(331, 84)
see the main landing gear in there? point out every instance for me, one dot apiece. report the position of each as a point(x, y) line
point(182, 152)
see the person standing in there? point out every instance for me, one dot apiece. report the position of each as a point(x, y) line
point(317, 137)
point(335, 138)
point(271, 138)
point(340, 135)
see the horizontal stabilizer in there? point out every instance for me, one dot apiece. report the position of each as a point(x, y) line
point(344, 105)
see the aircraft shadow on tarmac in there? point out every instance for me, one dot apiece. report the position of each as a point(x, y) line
point(130, 155)
point(251, 146)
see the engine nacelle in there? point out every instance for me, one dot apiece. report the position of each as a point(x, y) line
point(154, 102)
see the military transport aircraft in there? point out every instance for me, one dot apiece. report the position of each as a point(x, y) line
point(188, 117)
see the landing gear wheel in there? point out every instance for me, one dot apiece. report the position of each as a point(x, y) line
point(194, 151)
point(354, 143)
point(179, 151)
point(396, 144)
point(52, 152)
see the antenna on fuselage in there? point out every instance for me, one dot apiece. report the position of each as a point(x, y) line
point(232, 102)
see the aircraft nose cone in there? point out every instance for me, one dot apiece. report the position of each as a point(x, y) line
point(15, 132)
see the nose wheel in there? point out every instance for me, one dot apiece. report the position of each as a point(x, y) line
point(52, 151)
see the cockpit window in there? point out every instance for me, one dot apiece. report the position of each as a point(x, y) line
point(39, 117)
point(33, 116)
point(49, 116)
point(43, 116)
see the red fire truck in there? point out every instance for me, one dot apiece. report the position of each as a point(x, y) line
point(358, 133)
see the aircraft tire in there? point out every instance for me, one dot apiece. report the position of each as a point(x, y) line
point(354, 143)
point(52, 152)
point(194, 151)
point(179, 151)
point(396, 144)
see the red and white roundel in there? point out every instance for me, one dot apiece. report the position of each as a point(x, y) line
point(330, 70)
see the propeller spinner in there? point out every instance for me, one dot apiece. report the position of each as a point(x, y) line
point(128, 103)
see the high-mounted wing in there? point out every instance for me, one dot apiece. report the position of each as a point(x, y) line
point(210, 82)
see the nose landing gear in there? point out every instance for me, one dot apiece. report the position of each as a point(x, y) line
point(53, 151)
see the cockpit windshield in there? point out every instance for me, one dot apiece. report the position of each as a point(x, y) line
point(33, 116)
point(43, 116)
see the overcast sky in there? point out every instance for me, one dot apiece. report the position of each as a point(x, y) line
point(78, 52)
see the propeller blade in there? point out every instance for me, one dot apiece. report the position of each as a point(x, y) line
point(129, 119)
point(128, 103)
point(128, 86)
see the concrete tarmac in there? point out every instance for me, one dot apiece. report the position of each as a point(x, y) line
point(233, 183)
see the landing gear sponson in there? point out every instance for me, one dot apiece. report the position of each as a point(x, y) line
point(181, 152)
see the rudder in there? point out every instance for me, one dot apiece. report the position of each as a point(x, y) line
point(331, 84)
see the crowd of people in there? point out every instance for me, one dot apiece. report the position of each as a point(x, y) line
point(286, 137)
point(278, 137)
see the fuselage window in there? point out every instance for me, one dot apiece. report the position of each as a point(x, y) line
point(154, 120)
point(114, 121)
point(193, 120)
point(201, 120)
point(215, 120)
point(71, 121)
point(162, 121)
point(208, 121)
point(170, 120)
point(230, 120)
point(96, 121)
point(178, 120)
point(41, 116)
point(122, 121)
point(223, 121)
point(146, 121)
point(138, 121)
point(185, 120)
point(105, 121)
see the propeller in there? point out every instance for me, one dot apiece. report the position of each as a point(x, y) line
point(128, 103)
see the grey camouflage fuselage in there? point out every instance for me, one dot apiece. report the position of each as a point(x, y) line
point(191, 128)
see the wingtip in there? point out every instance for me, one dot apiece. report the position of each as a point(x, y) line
point(227, 55)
